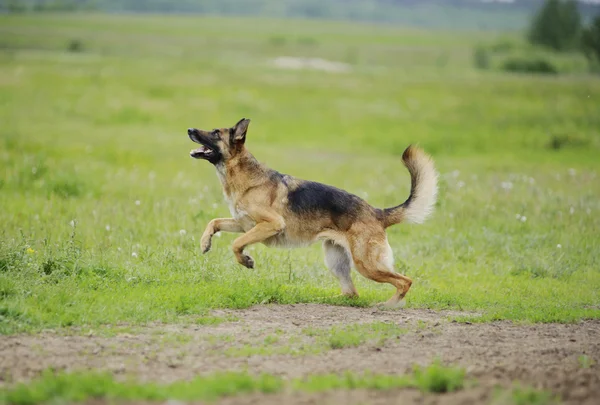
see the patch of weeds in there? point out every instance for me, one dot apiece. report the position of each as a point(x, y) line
point(340, 337)
point(503, 45)
point(213, 320)
point(179, 338)
point(65, 262)
point(343, 339)
point(79, 387)
point(9, 260)
point(421, 325)
point(585, 361)
point(52, 387)
point(438, 378)
point(319, 383)
point(562, 141)
point(66, 188)
point(219, 339)
point(75, 46)
point(7, 287)
point(525, 396)
point(531, 271)
point(12, 320)
point(269, 340)
point(529, 65)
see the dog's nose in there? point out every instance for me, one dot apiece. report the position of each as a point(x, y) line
point(190, 131)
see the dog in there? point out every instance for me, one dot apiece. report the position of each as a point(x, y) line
point(279, 210)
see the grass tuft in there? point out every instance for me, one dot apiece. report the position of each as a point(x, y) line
point(54, 386)
point(438, 378)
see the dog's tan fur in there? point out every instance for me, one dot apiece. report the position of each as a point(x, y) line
point(283, 211)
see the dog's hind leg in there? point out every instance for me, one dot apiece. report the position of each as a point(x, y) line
point(339, 262)
point(374, 259)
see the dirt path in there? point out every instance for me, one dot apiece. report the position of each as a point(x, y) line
point(273, 339)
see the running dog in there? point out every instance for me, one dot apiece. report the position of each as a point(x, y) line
point(283, 211)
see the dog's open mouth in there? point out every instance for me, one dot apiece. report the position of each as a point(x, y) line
point(203, 152)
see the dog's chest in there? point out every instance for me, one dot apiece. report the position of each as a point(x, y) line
point(239, 214)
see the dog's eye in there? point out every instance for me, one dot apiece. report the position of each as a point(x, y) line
point(216, 133)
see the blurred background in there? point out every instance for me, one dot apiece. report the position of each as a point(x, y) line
point(96, 97)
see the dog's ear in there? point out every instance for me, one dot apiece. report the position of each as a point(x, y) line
point(239, 131)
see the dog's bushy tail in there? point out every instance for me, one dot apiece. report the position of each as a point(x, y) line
point(423, 190)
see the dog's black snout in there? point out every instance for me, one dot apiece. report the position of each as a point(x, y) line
point(190, 131)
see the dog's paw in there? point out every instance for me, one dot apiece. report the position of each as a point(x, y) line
point(247, 261)
point(205, 244)
point(391, 304)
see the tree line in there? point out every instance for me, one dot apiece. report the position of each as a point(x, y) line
point(377, 10)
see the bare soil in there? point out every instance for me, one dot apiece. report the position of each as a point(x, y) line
point(543, 356)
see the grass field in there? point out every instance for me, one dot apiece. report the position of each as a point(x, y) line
point(102, 208)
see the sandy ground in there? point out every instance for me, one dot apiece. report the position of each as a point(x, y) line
point(543, 356)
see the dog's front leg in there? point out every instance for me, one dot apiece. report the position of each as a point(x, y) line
point(217, 225)
point(260, 232)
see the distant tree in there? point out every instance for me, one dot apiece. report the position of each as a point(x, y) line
point(590, 40)
point(15, 6)
point(557, 25)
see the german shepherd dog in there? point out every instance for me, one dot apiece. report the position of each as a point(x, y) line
point(283, 211)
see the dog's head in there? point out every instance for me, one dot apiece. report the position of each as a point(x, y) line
point(219, 145)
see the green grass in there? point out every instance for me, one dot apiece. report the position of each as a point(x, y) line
point(79, 387)
point(524, 396)
point(317, 340)
point(438, 378)
point(585, 361)
point(102, 209)
point(354, 335)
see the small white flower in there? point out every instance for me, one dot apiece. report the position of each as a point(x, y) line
point(182, 232)
point(451, 215)
point(119, 249)
point(137, 202)
point(460, 184)
point(518, 216)
point(572, 210)
point(559, 246)
point(34, 170)
point(72, 223)
point(506, 185)
point(456, 173)
point(134, 254)
point(218, 234)
point(108, 227)
point(572, 172)
point(523, 218)
point(215, 205)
